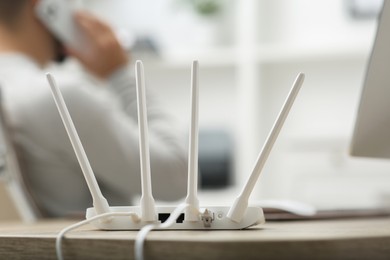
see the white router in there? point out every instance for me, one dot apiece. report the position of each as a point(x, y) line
point(238, 216)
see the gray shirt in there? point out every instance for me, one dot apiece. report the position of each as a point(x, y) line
point(105, 116)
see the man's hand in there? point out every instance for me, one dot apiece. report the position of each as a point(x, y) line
point(104, 54)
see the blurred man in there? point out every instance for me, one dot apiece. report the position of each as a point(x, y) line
point(104, 114)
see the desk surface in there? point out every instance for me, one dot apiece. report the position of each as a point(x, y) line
point(319, 239)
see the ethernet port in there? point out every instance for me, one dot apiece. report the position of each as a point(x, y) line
point(180, 219)
point(164, 216)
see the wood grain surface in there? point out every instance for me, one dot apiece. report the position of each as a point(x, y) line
point(319, 239)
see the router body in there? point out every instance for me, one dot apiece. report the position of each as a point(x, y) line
point(210, 218)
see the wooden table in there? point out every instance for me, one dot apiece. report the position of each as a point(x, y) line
point(319, 239)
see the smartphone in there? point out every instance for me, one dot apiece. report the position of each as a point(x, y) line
point(57, 16)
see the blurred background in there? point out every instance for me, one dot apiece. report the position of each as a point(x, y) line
point(250, 53)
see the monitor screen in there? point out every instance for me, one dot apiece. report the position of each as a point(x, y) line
point(371, 136)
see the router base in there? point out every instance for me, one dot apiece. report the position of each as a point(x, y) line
point(215, 217)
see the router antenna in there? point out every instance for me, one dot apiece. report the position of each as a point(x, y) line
point(192, 197)
point(99, 202)
point(148, 210)
point(240, 204)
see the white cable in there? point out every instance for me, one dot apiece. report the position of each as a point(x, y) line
point(61, 235)
point(141, 236)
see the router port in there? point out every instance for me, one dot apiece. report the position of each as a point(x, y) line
point(207, 218)
point(164, 216)
point(180, 219)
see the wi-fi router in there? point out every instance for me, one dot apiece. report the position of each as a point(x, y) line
point(195, 217)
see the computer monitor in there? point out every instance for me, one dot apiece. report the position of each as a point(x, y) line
point(371, 136)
